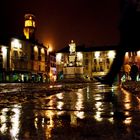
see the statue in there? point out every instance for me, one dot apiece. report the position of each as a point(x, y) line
point(72, 47)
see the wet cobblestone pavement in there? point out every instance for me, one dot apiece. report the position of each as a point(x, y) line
point(88, 111)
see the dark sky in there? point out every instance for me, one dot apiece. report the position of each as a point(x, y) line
point(90, 22)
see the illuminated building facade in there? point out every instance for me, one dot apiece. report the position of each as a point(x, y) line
point(96, 61)
point(73, 67)
point(3, 61)
point(23, 61)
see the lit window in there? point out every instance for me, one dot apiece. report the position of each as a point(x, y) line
point(58, 57)
point(138, 53)
point(28, 23)
point(15, 44)
point(111, 54)
point(35, 49)
point(126, 54)
point(97, 54)
point(42, 51)
point(79, 56)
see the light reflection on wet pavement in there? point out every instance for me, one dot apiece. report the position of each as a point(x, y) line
point(86, 112)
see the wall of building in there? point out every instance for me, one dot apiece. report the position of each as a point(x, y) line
point(23, 61)
point(96, 63)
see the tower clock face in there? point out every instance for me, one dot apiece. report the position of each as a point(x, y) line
point(28, 23)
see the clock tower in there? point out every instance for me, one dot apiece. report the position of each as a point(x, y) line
point(29, 26)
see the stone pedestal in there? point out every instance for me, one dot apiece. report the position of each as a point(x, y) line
point(73, 72)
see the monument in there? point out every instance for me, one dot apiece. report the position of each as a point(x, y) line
point(73, 70)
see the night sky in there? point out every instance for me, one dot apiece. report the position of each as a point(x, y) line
point(89, 22)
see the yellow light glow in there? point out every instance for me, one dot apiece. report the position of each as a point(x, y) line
point(28, 23)
point(79, 102)
point(3, 120)
point(50, 49)
point(50, 114)
point(111, 54)
point(33, 24)
point(60, 105)
point(79, 56)
point(26, 33)
point(35, 49)
point(4, 56)
point(42, 51)
point(98, 105)
point(15, 44)
point(110, 120)
point(50, 74)
point(58, 58)
point(138, 53)
point(80, 114)
point(97, 54)
point(126, 54)
point(128, 120)
point(60, 95)
point(15, 121)
point(97, 116)
point(4, 51)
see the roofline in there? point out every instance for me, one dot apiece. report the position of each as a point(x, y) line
point(83, 48)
